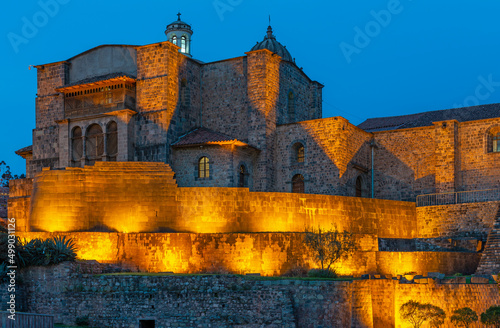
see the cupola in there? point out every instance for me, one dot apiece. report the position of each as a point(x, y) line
point(179, 33)
point(270, 43)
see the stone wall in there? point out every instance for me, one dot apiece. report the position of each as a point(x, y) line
point(461, 220)
point(143, 197)
point(404, 163)
point(307, 96)
point(478, 165)
point(71, 290)
point(336, 153)
point(448, 296)
point(224, 165)
point(269, 254)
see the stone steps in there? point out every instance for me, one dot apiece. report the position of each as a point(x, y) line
point(490, 260)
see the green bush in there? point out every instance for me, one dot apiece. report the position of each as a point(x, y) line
point(50, 251)
point(322, 273)
point(464, 317)
point(37, 252)
point(491, 317)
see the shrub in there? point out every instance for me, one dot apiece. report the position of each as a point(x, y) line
point(329, 246)
point(491, 317)
point(417, 314)
point(464, 317)
point(50, 251)
point(322, 273)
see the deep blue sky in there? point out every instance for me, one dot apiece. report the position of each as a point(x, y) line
point(430, 55)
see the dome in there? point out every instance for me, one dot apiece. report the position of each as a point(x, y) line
point(270, 43)
point(179, 25)
point(180, 33)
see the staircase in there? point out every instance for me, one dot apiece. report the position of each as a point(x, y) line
point(490, 260)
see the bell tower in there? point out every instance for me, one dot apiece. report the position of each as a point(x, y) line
point(179, 33)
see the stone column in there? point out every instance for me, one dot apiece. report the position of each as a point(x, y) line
point(447, 155)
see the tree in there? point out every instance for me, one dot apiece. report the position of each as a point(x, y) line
point(6, 175)
point(491, 317)
point(464, 317)
point(417, 313)
point(329, 246)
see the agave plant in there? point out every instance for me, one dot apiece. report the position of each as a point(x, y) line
point(61, 249)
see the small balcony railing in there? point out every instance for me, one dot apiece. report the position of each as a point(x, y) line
point(450, 198)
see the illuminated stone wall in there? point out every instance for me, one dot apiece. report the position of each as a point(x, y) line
point(404, 163)
point(70, 290)
point(478, 166)
point(143, 197)
point(449, 297)
point(335, 154)
point(269, 254)
point(446, 157)
point(461, 220)
point(163, 116)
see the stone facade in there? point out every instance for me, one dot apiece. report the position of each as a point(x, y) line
point(232, 227)
point(72, 290)
point(156, 95)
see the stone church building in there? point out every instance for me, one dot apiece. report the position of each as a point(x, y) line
point(253, 121)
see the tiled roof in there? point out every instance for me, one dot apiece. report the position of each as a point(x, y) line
point(99, 78)
point(203, 136)
point(25, 150)
point(427, 118)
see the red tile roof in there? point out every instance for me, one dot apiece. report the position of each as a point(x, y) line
point(203, 136)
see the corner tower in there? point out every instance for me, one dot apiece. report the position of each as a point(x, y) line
point(179, 33)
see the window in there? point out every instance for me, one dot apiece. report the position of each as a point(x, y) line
point(291, 106)
point(493, 140)
point(174, 40)
point(94, 143)
point(243, 180)
point(496, 143)
point(359, 188)
point(203, 167)
point(183, 44)
point(76, 144)
point(298, 183)
point(300, 153)
point(185, 93)
point(108, 97)
point(112, 141)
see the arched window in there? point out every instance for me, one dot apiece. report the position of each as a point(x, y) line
point(359, 187)
point(243, 177)
point(174, 40)
point(298, 183)
point(298, 153)
point(76, 145)
point(203, 167)
point(185, 93)
point(183, 43)
point(291, 106)
point(112, 141)
point(496, 143)
point(94, 143)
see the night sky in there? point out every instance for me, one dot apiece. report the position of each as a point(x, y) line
point(376, 58)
